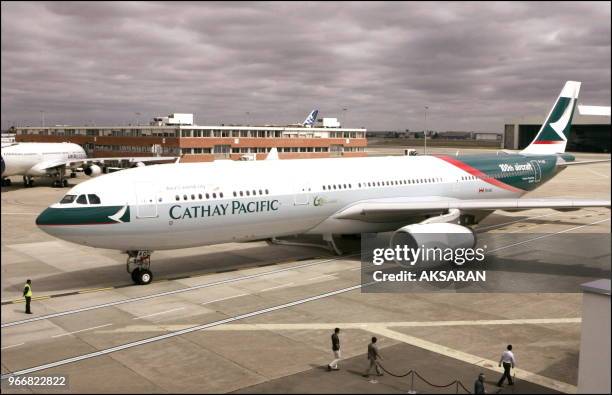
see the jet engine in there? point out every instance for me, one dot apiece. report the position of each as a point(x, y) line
point(139, 164)
point(93, 170)
point(434, 235)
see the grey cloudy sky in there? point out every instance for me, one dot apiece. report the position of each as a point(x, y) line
point(473, 64)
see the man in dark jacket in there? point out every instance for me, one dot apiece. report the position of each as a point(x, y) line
point(336, 350)
point(479, 387)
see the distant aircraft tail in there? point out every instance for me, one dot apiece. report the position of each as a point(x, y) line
point(552, 137)
point(311, 118)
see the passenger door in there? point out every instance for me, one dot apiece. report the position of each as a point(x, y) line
point(146, 198)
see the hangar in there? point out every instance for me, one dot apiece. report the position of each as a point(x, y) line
point(589, 133)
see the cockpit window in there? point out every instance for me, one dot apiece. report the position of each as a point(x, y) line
point(93, 199)
point(82, 199)
point(68, 199)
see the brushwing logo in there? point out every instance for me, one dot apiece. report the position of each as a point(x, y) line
point(118, 216)
point(560, 125)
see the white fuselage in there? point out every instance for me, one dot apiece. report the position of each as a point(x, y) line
point(192, 204)
point(33, 159)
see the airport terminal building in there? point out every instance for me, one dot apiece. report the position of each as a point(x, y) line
point(588, 133)
point(177, 135)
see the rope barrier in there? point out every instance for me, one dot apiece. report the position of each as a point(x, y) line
point(457, 383)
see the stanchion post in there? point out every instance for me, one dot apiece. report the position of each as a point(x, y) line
point(456, 386)
point(412, 391)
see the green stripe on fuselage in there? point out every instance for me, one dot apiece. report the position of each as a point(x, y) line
point(89, 215)
point(518, 171)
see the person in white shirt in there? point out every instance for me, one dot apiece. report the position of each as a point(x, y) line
point(507, 359)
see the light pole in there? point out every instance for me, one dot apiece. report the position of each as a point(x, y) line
point(42, 117)
point(137, 118)
point(425, 132)
point(344, 110)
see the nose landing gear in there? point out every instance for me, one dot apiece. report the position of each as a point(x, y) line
point(140, 261)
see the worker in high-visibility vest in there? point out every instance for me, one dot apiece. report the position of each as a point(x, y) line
point(27, 294)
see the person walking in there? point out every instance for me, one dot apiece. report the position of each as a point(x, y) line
point(373, 355)
point(27, 294)
point(333, 365)
point(507, 359)
point(479, 387)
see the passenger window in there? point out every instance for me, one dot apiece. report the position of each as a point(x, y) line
point(178, 197)
point(184, 197)
point(267, 192)
point(240, 193)
point(67, 199)
point(192, 197)
point(234, 193)
point(199, 196)
point(93, 199)
point(207, 196)
point(82, 199)
point(214, 195)
point(247, 193)
point(221, 195)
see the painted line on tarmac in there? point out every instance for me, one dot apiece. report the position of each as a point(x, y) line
point(14, 345)
point(82, 330)
point(90, 290)
point(181, 332)
point(549, 235)
point(157, 295)
point(154, 314)
point(226, 298)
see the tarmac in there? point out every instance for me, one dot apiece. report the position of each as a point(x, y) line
point(253, 317)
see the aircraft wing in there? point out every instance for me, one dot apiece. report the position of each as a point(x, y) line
point(130, 159)
point(54, 164)
point(390, 209)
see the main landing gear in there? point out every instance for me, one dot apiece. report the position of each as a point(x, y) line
point(61, 181)
point(140, 261)
point(28, 181)
point(6, 182)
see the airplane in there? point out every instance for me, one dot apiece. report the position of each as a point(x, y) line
point(310, 119)
point(181, 205)
point(53, 159)
point(309, 122)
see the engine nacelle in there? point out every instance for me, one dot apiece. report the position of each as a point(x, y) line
point(442, 235)
point(434, 236)
point(93, 170)
point(139, 164)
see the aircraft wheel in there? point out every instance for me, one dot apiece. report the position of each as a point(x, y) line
point(144, 277)
point(64, 183)
point(31, 183)
point(134, 275)
point(55, 184)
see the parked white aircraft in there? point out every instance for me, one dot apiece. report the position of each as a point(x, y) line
point(53, 159)
point(184, 205)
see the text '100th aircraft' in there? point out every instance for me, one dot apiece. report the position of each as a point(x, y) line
point(180, 205)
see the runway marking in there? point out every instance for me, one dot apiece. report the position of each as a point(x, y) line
point(353, 325)
point(152, 296)
point(181, 332)
point(318, 277)
point(229, 297)
point(85, 291)
point(82, 330)
point(597, 173)
point(478, 229)
point(473, 359)
point(549, 235)
point(15, 301)
point(357, 268)
point(154, 314)
point(14, 345)
point(279, 286)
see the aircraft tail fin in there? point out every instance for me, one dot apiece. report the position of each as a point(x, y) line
point(552, 137)
point(311, 118)
point(273, 154)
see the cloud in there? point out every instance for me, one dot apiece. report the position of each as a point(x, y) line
point(473, 64)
